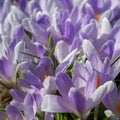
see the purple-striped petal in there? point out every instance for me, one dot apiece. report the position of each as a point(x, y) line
point(99, 94)
point(77, 100)
point(54, 104)
point(64, 83)
point(13, 113)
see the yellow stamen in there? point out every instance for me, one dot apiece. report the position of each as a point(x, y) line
point(118, 107)
point(6, 118)
point(45, 76)
point(97, 16)
point(98, 81)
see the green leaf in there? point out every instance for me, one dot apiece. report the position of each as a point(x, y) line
point(49, 41)
point(2, 108)
point(52, 52)
point(79, 58)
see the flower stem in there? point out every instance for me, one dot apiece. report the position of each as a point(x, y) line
point(96, 112)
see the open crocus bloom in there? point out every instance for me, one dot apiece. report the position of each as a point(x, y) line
point(75, 100)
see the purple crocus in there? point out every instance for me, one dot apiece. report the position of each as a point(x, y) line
point(44, 68)
point(102, 62)
point(103, 8)
point(75, 100)
point(39, 34)
point(112, 103)
point(15, 113)
point(9, 65)
point(65, 55)
point(28, 98)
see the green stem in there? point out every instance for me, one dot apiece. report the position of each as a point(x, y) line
point(96, 113)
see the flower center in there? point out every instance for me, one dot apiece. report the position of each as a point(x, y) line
point(97, 16)
point(98, 81)
point(45, 76)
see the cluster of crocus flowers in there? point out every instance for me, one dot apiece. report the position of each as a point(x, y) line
point(59, 59)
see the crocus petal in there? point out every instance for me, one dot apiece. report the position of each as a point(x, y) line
point(30, 106)
point(5, 7)
point(19, 13)
point(106, 66)
point(26, 86)
point(13, 113)
point(50, 84)
point(7, 69)
point(107, 49)
point(99, 94)
point(61, 51)
point(77, 100)
point(32, 79)
point(66, 62)
point(19, 46)
point(54, 104)
point(96, 62)
point(39, 32)
point(82, 72)
point(116, 46)
point(49, 116)
point(92, 55)
point(106, 27)
point(44, 68)
point(91, 85)
point(23, 83)
point(18, 32)
point(33, 5)
point(69, 29)
point(43, 21)
point(111, 100)
point(18, 105)
point(18, 95)
point(88, 48)
point(75, 44)
point(89, 31)
point(64, 83)
point(25, 24)
point(71, 56)
point(115, 69)
point(62, 67)
point(74, 14)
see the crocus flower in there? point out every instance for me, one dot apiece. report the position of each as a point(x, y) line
point(39, 34)
point(112, 103)
point(98, 62)
point(65, 55)
point(31, 90)
point(9, 65)
point(13, 113)
point(104, 8)
point(74, 100)
point(99, 36)
point(44, 68)
point(29, 112)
